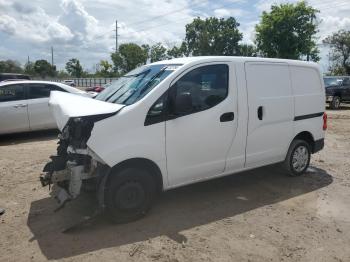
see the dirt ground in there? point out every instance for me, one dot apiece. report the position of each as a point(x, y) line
point(260, 215)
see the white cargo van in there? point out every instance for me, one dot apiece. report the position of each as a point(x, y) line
point(182, 121)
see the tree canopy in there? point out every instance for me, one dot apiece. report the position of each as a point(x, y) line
point(288, 31)
point(339, 43)
point(128, 57)
point(44, 68)
point(10, 66)
point(74, 68)
point(213, 36)
point(158, 52)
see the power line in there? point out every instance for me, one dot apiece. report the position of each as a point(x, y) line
point(178, 21)
point(165, 14)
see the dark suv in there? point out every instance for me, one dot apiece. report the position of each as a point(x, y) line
point(12, 76)
point(337, 90)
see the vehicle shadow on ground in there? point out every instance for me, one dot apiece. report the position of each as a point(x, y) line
point(20, 138)
point(175, 211)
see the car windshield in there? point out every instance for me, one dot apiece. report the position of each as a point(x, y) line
point(331, 81)
point(136, 84)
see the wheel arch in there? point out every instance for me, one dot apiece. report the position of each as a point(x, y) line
point(307, 137)
point(142, 163)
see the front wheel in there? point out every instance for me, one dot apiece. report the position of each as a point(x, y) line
point(298, 158)
point(129, 195)
point(335, 104)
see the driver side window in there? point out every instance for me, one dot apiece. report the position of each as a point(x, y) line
point(204, 87)
point(198, 90)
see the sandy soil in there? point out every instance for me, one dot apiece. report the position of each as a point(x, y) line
point(261, 215)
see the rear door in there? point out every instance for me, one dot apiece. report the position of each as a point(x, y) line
point(40, 116)
point(271, 112)
point(13, 109)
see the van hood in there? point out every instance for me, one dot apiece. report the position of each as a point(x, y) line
point(66, 105)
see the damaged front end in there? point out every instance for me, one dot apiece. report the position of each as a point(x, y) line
point(75, 165)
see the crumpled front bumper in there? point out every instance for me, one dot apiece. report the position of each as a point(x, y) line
point(68, 179)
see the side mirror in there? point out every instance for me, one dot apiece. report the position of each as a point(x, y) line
point(183, 104)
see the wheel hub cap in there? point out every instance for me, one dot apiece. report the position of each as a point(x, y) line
point(300, 158)
point(130, 195)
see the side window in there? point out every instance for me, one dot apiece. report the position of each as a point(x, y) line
point(204, 87)
point(56, 88)
point(346, 81)
point(11, 93)
point(156, 113)
point(38, 91)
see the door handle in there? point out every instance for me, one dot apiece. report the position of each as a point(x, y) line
point(260, 112)
point(20, 105)
point(225, 117)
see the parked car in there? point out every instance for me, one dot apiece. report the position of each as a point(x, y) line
point(96, 89)
point(12, 76)
point(182, 121)
point(69, 82)
point(337, 90)
point(24, 105)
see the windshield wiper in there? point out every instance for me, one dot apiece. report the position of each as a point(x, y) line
point(144, 88)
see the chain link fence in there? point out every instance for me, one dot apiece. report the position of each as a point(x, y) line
point(85, 82)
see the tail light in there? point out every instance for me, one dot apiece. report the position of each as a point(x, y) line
point(324, 121)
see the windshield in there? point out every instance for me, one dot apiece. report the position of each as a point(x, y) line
point(136, 84)
point(331, 81)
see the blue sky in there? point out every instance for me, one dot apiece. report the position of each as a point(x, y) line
point(84, 28)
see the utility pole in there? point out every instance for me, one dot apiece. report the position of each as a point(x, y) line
point(28, 60)
point(116, 35)
point(309, 51)
point(51, 55)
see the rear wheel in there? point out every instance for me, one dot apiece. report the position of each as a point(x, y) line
point(130, 194)
point(335, 104)
point(298, 158)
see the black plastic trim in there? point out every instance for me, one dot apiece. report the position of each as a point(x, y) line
point(308, 116)
point(319, 144)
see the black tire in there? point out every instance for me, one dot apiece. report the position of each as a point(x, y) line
point(129, 194)
point(335, 104)
point(290, 163)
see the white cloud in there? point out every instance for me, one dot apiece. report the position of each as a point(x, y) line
point(84, 28)
point(248, 30)
point(7, 24)
point(222, 12)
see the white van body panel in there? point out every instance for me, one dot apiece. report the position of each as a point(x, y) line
point(269, 88)
point(198, 146)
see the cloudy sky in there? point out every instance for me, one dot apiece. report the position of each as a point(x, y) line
point(85, 28)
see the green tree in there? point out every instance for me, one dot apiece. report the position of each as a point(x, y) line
point(29, 68)
point(105, 69)
point(247, 50)
point(180, 51)
point(129, 56)
point(213, 36)
point(10, 66)
point(44, 68)
point(158, 52)
point(62, 74)
point(339, 43)
point(288, 31)
point(74, 68)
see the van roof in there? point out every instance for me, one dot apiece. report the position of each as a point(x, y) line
point(239, 59)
